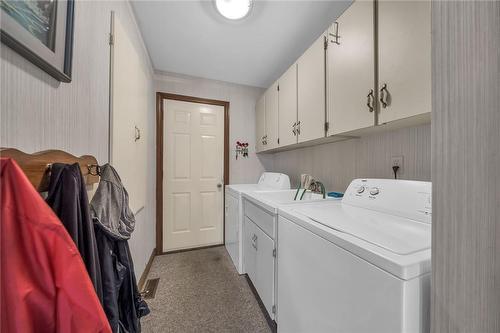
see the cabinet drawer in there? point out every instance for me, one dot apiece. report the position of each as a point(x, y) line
point(263, 219)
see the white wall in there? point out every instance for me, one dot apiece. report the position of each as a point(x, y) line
point(39, 113)
point(242, 101)
point(336, 164)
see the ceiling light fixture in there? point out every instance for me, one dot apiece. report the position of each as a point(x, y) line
point(233, 9)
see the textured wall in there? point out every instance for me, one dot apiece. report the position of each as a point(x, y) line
point(466, 167)
point(242, 101)
point(336, 164)
point(38, 112)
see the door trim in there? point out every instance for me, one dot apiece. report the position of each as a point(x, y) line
point(160, 97)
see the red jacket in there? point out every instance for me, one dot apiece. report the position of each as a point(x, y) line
point(44, 284)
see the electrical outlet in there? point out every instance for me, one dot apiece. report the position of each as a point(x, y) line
point(397, 161)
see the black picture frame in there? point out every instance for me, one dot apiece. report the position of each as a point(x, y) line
point(61, 71)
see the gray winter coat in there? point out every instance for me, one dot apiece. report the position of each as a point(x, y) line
point(109, 206)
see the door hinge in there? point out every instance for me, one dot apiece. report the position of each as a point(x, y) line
point(335, 33)
point(327, 126)
point(273, 309)
point(111, 39)
point(278, 140)
point(325, 42)
point(278, 88)
point(274, 253)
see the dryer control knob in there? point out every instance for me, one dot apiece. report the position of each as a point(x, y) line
point(374, 191)
point(360, 189)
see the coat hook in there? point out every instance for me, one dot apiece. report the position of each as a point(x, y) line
point(92, 167)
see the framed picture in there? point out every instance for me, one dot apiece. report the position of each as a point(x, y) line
point(42, 32)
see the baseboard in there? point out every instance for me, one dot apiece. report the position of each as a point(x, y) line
point(270, 321)
point(190, 249)
point(144, 274)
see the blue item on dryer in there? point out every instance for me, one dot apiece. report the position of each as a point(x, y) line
point(335, 194)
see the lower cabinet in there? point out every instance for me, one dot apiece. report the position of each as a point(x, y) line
point(232, 221)
point(259, 262)
point(249, 251)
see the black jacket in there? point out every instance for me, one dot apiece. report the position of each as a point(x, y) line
point(67, 196)
point(114, 223)
point(122, 302)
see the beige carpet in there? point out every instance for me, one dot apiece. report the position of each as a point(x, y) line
point(201, 291)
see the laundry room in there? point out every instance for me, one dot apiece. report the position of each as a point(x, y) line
point(250, 166)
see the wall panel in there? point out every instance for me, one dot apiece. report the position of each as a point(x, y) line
point(466, 167)
point(336, 164)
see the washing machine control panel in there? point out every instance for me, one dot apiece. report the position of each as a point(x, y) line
point(406, 198)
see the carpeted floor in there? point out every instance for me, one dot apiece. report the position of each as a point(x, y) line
point(201, 291)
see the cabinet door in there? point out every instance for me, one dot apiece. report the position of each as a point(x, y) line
point(271, 140)
point(351, 70)
point(288, 106)
point(264, 267)
point(404, 39)
point(260, 123)
point(249, 250)
point(311, 92)
point(231, 228)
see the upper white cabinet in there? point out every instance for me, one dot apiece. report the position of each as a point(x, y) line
point(260, 123)
point(271, 136)
point(374, 68)
point(311, 92)
point(351, 70)
point(288, 107)
point(404, 45)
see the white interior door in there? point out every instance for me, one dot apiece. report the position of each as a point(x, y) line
point(131, 101)
point(193, 175)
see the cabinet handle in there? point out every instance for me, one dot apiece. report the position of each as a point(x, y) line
point(369, 100)
point(383, 95)
point(294, 131)
point(298, 128)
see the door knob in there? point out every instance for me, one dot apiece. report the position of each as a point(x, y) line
point(219, 185)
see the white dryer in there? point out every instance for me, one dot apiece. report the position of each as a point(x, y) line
point(359, 265)
point(234, 211)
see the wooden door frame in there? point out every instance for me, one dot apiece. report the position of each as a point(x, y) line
point(160, 97)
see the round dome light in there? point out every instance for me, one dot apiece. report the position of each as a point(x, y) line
point(233, 9)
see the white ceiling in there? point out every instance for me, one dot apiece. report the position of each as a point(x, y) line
point(190, 37)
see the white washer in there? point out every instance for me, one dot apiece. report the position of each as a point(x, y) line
point(359, 265)
point(260, 212)
point(234, 211)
